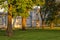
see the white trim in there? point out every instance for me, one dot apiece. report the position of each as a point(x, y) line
point(1, 9)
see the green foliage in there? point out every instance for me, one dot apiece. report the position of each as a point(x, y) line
point(58, 6)
point(21, 7)
point(52, 8)
point(2, 1)
point(4, 5)
point(39, 2)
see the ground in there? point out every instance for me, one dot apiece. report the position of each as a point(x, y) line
point(32, 35)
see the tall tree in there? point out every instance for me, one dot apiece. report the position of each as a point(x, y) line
point(51, 7)
point(9, 26)
point(21, 8)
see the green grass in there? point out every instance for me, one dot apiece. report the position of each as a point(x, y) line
point(32, 35)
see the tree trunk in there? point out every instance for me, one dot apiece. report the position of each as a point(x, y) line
point(23, 23)
point(51, 25)
point(9, 25)
point(43, 24)
point(38, 26)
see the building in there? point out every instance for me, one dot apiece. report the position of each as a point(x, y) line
point(31, 20)
point(3, 20)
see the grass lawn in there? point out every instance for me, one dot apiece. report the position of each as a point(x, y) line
point(32, 35)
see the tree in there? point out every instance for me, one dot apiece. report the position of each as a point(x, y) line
point(21, 8)
point(3, 4)
point(9, 25)
point(7, 8)
point(51, 7)
point(57, 19)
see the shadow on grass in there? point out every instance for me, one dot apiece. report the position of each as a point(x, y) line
point(2, 33)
